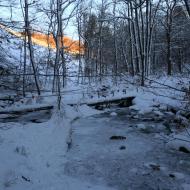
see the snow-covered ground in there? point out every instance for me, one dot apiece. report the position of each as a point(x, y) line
point(32, 156)
point(74, 151)
point(71, 149)
point(142, 161)
point(36, 156)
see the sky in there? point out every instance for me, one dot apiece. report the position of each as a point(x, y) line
point(5, 14)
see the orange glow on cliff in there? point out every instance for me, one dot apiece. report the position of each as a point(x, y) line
point(71, 46)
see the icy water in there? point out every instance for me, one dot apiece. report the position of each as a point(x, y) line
point(142, 161)
point(139, 160)
point(24, 118)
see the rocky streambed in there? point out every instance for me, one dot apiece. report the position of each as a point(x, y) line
point(125, 149)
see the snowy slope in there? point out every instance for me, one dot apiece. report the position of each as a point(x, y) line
point(33, 155)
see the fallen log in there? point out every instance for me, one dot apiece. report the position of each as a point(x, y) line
point(119, 101)
point(9, 99)
point(26, 110)
point(122, 102)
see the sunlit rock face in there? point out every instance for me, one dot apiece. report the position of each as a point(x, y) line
point(71, 46)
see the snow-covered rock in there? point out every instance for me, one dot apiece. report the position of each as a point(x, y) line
point(178, 175)
point(113, 114)
point(141, 126)
point(180, 142)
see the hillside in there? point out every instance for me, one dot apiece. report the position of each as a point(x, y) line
point(71, 46)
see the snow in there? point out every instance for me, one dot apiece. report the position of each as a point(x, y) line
point(38, 155)
point(145, 100)
point(113, 114)
point(146, 160)
point(85, 111)
point(30, 149)
point(141, 126)
point(37, 152)
point(11, 49)
point(180, 140)
point(186, 186)
point(178, 175)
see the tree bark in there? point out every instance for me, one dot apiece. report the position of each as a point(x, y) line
point(29, 38)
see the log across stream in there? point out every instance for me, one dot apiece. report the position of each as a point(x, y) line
point(46, 109)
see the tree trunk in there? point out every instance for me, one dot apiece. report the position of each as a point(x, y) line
point(27, 29)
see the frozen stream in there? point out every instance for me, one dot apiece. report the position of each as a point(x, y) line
point(33, 153)
point(142, 161)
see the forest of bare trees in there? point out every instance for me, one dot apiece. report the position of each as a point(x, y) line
point(137, 37)
point(116, 38)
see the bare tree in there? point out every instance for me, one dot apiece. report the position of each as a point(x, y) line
point(187, 5)
point(29, 39)
point(170, 6)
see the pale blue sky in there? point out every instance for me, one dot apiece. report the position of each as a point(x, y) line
point(5, 13)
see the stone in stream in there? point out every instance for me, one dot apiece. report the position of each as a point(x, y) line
point(183, 149)
point(22, 150)
point(135, 117)
point(122, 147)
point(26, 179)
point(117, 137)
point(158, 113)
point(143, 128)
point(113, 114)
point(172, 175)
point(36, 121)
point(177, 175)
point(167, 125)
point(155, 167)
point(187, 115)
point(169, 114)
point(148, 119)
point(172, 109)
point(99, 107)
point(185, 163)
point(125, 103)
